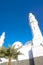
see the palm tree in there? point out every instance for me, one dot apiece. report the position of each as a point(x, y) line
point(10, 53)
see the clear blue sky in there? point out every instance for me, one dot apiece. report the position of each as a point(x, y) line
point(14, 19)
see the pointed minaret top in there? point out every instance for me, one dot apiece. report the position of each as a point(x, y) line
point(31, 15)
point(32, 18)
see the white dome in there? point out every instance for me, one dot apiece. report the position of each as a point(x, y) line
point(17, 44)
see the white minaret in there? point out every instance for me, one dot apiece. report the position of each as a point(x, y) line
point(2, 37)
point(37, 36)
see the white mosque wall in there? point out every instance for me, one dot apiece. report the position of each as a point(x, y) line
point(37, 51)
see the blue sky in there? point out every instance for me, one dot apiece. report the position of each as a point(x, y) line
point(14, 19)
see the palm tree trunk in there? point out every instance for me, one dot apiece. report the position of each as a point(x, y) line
point(17, 61)
point(9, 62)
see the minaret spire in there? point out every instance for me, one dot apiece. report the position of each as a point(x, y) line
point(37, 35)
